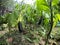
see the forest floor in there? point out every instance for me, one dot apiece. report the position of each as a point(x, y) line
point(18, 38)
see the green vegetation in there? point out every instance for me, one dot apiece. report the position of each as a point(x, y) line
point(39, 24)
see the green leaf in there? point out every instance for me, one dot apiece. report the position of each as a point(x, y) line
point(28, 39)
point(58, 16)
point(42, 5)
point(55, 2)
point(40, 2)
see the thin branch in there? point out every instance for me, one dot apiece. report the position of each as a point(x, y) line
point(48, 35)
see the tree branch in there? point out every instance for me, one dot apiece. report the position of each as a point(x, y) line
point(48, 35)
